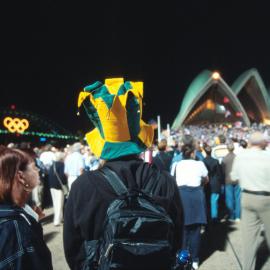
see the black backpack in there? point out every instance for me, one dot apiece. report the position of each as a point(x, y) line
point(137, 233)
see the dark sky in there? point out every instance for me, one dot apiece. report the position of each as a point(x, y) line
point(52, 49)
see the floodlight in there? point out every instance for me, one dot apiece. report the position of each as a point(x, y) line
point(215, 75)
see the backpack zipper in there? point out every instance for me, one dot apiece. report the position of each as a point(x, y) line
point(108, 250)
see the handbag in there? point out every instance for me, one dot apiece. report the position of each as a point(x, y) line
point(63, 187)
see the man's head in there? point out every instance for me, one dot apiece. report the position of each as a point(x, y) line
point(188, 151)
point(222, 139)
point(47, 147)
point(257, 139)
point(188, 140)
point(230, 147)
point(76, 147)
point(162, 145)
point(208, 150)
point(115, 109)
point(243, 143)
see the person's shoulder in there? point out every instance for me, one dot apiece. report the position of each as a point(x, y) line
point(193, 162)
point(200, 163)
point(11, 238)
point(207, 160)
point(186, 162)
point(211, 160)
point(87, 178)
point(86, 182)
point(8, 226)
point(16, 226)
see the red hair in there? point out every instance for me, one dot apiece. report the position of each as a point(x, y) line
point(11, 160)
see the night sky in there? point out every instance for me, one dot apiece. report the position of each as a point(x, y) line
point(52, 49)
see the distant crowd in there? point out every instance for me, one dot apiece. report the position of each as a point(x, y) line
point(67, 163)
point(202, 160)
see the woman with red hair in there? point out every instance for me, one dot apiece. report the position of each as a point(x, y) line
point(21, 237)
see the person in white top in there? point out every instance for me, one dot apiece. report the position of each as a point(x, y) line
point(74, 164)
point(189, 172)
point(190, 177)
point(47, 156)
point(220, 150)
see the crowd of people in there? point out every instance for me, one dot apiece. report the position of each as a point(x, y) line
point(202, 161)
point(58, 169)
point(195, 176)
point(216, 168)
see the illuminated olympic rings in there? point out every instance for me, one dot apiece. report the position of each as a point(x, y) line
point(16, 124)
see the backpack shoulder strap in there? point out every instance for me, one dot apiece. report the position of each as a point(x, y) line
point(114, 180)
point(161, 159)
point(152, 184)
point(3, 220)
point(15, 216)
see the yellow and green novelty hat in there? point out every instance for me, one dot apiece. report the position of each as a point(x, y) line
point(115, 109)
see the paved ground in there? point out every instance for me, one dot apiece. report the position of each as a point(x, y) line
point(221, 249)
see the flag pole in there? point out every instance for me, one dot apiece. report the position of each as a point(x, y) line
point(159, 129)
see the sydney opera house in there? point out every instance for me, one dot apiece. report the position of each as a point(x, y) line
point(209, 99)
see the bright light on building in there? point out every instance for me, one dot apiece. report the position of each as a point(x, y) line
point(215, 75)
point(226, 100)
point(16, 124)
point(238, 114)
point(266, 121)
point(222, 108)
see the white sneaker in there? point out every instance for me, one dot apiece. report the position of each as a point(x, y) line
point(195, 265)
point(202, 231)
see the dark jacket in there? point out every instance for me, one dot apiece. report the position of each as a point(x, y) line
point(53, 181)
point(215, 174)
point(91, 195)
point(21, 241)
point(227, 164)
point(163, 160)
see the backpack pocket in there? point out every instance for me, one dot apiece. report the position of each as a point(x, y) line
point(127, 255)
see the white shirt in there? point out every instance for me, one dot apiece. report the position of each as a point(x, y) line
point(47, 158)
point(74, 163)
point(252, 168)
point(189, 172)
point(219, 152)
point(31, 212)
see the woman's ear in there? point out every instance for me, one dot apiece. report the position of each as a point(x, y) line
point(20, 177)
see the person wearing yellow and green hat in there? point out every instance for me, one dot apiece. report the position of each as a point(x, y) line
point(119, 136)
